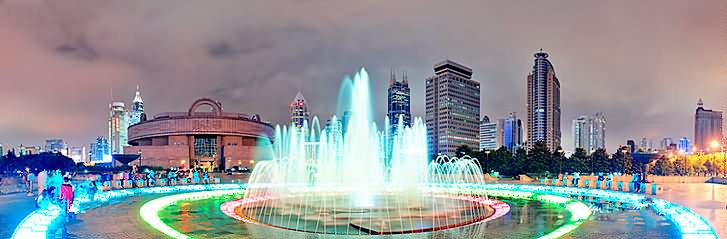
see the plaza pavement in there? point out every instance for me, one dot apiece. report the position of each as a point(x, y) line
point(13, 208)
point(707, 199)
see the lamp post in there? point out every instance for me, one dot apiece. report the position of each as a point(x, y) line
point(487, 159)
point(140, 157)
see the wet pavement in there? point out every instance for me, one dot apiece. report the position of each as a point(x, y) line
point(13, 208)
point(707, 199)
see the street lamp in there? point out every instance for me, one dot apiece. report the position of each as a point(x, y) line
point(487, 158)
point(561, 158)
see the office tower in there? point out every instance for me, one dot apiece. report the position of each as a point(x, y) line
point(645, 144)
point(581, 131)
point(100, 151)
point(299, 114)
point(512, 132)
point(137, 108)
point(707, 127)
point(543, 104)
point(665, 143)
point(589, 132)
point(452, 108)
point(56, 146)
point(118, 126)
point(632, 145)
point(684, 145)
point(488, 134)
point(399, 102)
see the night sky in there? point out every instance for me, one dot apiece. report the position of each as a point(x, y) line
point(643, 63)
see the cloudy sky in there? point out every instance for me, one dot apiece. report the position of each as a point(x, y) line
point(643, 63)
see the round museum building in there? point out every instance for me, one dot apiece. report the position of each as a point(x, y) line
point(210, 139)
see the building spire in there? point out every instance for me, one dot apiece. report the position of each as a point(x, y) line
point(392, 79)
point(137, 97)
point(700, 103)
point(404, 77)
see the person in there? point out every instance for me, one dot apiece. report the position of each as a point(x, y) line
point(66, 195)
point(42, 177)
point(609, 180)
point(637, 184)
point(150, 177)
point(125, 177)
point(576, 177)
point(565, 179)
point(172, 177)
point(205, 177)
point(195, 176)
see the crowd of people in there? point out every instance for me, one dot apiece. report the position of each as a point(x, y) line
point(56, 187)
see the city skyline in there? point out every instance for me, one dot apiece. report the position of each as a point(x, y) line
point(82, 65)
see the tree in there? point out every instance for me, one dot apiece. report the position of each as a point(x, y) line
point(559, 159)
point(600, 161)
point(577, 162)
point(539, 159)
point(501, 160)
point(662, 167)
point(463, 150)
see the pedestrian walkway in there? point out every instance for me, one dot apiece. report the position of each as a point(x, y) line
point(13, 208)
point(706, 199)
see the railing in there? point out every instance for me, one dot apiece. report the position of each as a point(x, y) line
point(717, 180)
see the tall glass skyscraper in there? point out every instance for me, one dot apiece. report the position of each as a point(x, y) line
point(512, 132)
point(118, 125)
point(452, 108)
point(707, 127)
point(137, 108)
point(684, 146)
point(399, 102)
point(488, 134)
point(543, 103)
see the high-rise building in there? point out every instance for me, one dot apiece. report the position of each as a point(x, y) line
point(299, 114)
point(488, 134)
point(78, 154)
point(399, 102)
point(646, 144)
point(581, 132)
point(56, 146)
point(598, 131)
point(512, 132)
point(100, 151)
point(665, 143)
point(543, 104)
point(632, 145)
point(118, 125)
point(452, 108)
point(589, 132)
point(137, 108)
point(684, 145)
point(707, 127)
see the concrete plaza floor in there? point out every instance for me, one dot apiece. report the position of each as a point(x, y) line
point(707, 199)
point(13, 208)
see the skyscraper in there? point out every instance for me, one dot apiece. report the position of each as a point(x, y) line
point(512, 132)
point(598, 131)
point(632, 145)
point(707, 127)
point(137, 108)
point(684, 145)
point(581, 131)
point(589, 132)
point(399, 102)
point(299, 114)
point(56, 146)
point(488, 134)
point(100, 150)
point(543, 103)
point(118, 125)
point(452, 108)
point(646, 144)
point(665, 142)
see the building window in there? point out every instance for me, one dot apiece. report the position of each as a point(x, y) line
point(205, 146)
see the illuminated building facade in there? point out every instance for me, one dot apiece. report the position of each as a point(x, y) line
point(118, 123)
point(543, 104)
point(707, 127)
point(299, 114)
point(196, 138)
point(452, 108)
point(137, 108)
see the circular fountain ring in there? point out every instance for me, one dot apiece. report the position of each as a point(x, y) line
point(469, 210)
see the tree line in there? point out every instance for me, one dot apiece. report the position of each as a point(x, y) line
point(541, 161)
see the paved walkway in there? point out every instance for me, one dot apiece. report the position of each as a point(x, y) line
point(13, 208)
point(706, 199)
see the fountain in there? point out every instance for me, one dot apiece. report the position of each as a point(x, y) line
point(352, 178)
